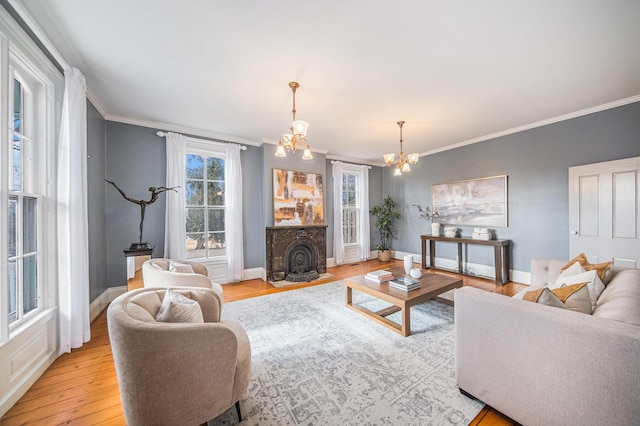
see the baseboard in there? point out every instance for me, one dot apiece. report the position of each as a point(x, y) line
point(104, 299)
point(254, 273)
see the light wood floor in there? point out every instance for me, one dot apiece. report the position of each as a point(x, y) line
point(80, 388)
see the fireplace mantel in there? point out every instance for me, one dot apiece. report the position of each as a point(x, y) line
point(279, 239)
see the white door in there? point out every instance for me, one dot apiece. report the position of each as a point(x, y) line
point(604, 218)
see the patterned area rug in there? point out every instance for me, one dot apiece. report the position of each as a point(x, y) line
point(316, 362)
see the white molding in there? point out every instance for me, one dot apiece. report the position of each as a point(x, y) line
point(96, 103)
point(355, 160)
point(189, 131)
point(540, 123)
point(104, 299)
point(254, 273)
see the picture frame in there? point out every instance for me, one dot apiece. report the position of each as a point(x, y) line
point(298, 198)
point(472, 202)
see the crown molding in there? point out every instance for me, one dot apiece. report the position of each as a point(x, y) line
point(182, 129)
point(355, 160)
point(541, 123)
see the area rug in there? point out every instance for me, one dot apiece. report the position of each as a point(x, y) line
point(285, 283)
point(316, 362)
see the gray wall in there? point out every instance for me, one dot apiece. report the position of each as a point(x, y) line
point(536, 162)
point(96, 199)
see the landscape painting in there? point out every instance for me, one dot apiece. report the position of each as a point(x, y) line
point(474, 202)
point(297, 198)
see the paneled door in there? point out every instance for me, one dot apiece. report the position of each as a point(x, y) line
point(604, 219)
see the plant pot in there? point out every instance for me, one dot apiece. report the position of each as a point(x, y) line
point(435, 229)
point(384, 255)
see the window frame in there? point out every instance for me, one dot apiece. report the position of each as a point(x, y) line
point(206, 149)
point(355, 208)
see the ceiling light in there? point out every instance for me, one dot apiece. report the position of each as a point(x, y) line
point(298, 136)
point(403, 163)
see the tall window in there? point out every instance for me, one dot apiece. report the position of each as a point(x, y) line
point(24, 255)
point(205, 204)
point(350, 211)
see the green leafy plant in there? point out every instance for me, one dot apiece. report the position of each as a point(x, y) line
point(426, 213)
point(387, 215)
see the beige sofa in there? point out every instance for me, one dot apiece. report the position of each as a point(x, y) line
point(542, 365)
point(176, 373)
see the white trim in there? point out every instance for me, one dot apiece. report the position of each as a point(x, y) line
point(96, 103)
point(355, 160)
point(181, 129)
point(254, 273)
point(541, 123)
point(104, 299)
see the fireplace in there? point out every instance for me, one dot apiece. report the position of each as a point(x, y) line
point(296, 253)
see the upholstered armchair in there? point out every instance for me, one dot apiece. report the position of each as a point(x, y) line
point(176, 373)
point(158, 273)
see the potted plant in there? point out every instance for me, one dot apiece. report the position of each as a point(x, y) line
point(428, 214)
point(386, 214)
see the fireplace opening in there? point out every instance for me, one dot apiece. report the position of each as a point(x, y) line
point(300, 262)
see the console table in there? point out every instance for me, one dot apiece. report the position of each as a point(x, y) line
point(500, 250)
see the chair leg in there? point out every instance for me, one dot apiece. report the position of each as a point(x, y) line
point(238, 411)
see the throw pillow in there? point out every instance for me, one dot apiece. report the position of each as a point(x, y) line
point(184, 268)
point(178, 308)
point(600, 268)
point(574, 297)
point(594, 284)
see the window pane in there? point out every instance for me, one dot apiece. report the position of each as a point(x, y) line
point(351, 199)
point(29, 283)
point(216, 220)
point(351, 183)
point(13, 295)
point(29, 225)
point(195, 166)
point(195, 220)
point(16, 176)
point(215, 168)
point(13, 203)
point(194, 193)
point(345, 235)
point(217, 244)
point(215, 195)
point(17, 106)
point(195, 245)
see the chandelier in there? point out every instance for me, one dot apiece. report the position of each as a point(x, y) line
point(403, 163)
point(298, 136)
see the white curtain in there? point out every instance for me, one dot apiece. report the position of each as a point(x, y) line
point(233, 212)
point(338, 243)
point(175, 222)
point(363, 190)
point(73, 234)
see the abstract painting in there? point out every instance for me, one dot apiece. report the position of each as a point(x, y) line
point(474, 202)
point(297, 198)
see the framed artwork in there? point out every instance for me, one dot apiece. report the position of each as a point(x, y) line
point(473, 202)
point(297, 198)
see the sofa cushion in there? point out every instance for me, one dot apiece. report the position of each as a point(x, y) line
point(574, 297)
point(602, 269)
point(178, 308)
point(594, 284)
point(180, 267)
point(620, 301)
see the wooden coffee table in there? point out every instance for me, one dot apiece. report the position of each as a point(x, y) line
point(432, 284)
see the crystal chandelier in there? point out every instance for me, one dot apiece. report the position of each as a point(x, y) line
point(403, 163)
point(298, 136)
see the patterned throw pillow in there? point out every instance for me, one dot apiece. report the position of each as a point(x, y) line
point(600, 268)
point(184, 268)
point(573, 297)
point(594, 284)
point(178, 308)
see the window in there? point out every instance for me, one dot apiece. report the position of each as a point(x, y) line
point(23, 218)
point(205, 204)
point(350, 210)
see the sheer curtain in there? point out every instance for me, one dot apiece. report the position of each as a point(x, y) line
point(365, 234)
point(72, 217)
point(233, 212)
point(175, 222)
point(338, 243)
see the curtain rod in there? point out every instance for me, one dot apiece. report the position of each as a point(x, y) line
point(368, 167)
point(163, 134)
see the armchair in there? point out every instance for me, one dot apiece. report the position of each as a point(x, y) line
point(176, 373)
point(156, 273)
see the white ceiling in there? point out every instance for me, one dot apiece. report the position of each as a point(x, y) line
point(455, 71)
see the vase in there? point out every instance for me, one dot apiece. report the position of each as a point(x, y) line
point(408, 263)
point(415, 273)
point(435, 229)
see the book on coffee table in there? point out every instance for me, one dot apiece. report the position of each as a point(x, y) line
point(403, 283)
point(379, 276)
